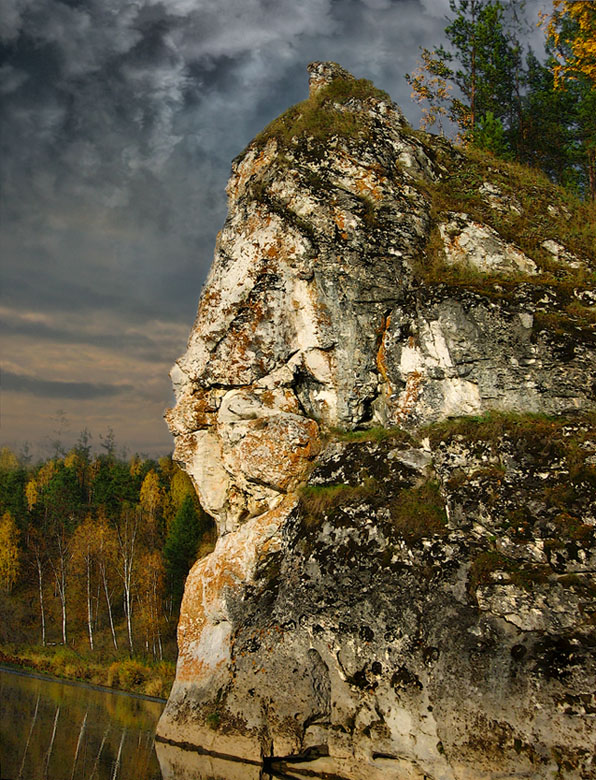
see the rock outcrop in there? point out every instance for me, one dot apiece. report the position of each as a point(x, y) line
point(393, 594)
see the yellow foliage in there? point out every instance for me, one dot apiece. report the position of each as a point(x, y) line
point(9, 552)
point(106, 540)
point(31, 493)
point(582, 45)
point(135, 465)
point(166, 465)
point(8, 460)
point(85, 542)
point(151, 574)
point(45, 473)
point(151, 496)
point(429, 84)
point(71, 459)
point(180, 487)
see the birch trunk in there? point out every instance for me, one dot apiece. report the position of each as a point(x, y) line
point(41, 603)
point(109, 604)
point(89, 610)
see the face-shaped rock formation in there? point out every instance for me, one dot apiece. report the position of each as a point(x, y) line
point(355, 287)
point(312, 315)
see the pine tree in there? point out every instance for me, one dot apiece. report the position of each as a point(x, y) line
point(547, 137)
point(483, 65)
point(181, 546)
point(490, 135)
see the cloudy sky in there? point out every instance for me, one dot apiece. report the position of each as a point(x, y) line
point(119, 119)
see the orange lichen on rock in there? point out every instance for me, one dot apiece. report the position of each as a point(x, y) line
point(276, 450)
point(340, 220)
point(196, 413)
point(409, 397)
point(369, 187)
point(382, 350)
point(204, 635)
point(209, 300)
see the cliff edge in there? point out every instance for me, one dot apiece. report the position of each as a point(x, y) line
point(388, 406)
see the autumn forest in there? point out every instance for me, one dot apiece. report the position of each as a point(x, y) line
point(94, 551)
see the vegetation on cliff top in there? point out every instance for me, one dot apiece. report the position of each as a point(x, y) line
point(517, 105)
point(322, 115)
point(534, 211)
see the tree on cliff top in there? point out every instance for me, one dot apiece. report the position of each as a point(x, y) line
point(482, 65)
point(539, 113)
point(571, 42)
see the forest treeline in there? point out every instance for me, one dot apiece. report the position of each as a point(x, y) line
point(500, 96)
point(95, 548)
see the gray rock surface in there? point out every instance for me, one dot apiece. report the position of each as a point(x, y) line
point(411, 601)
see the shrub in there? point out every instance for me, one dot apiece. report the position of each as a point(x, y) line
point(419, 512)
point(213, 719)
point(113, 680)
point(154, 687)
point(131, 674)
point(322, 115)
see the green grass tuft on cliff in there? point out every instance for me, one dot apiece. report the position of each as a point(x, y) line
point(324, 114)
point(533, 210)
point(318, 500)
point(419, 512)
point(491, 564)
point(374, 434)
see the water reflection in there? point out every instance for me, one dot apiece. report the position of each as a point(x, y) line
point(57, 731)
point(179, 764)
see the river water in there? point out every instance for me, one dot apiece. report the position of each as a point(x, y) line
point(57, 730)
point(64, 731)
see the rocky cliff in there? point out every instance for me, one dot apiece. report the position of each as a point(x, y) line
point(387, 405)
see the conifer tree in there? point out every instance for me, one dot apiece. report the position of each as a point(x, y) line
point(547, 137)
point(482, 65)
point(571, 31)
point(181, 546)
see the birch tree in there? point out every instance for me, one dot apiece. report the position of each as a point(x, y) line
point(107, 561)
point(151, 589)
point(128, 543)
point(36, 547)
point(10, 556)
point(84, 553)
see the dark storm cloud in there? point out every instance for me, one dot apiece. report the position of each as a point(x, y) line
point(49, 388)
point(119, 122)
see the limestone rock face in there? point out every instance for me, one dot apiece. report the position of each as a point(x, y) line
point(424, 607)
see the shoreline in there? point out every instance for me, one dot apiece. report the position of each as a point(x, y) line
point(29, 672)
point(130, 676)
